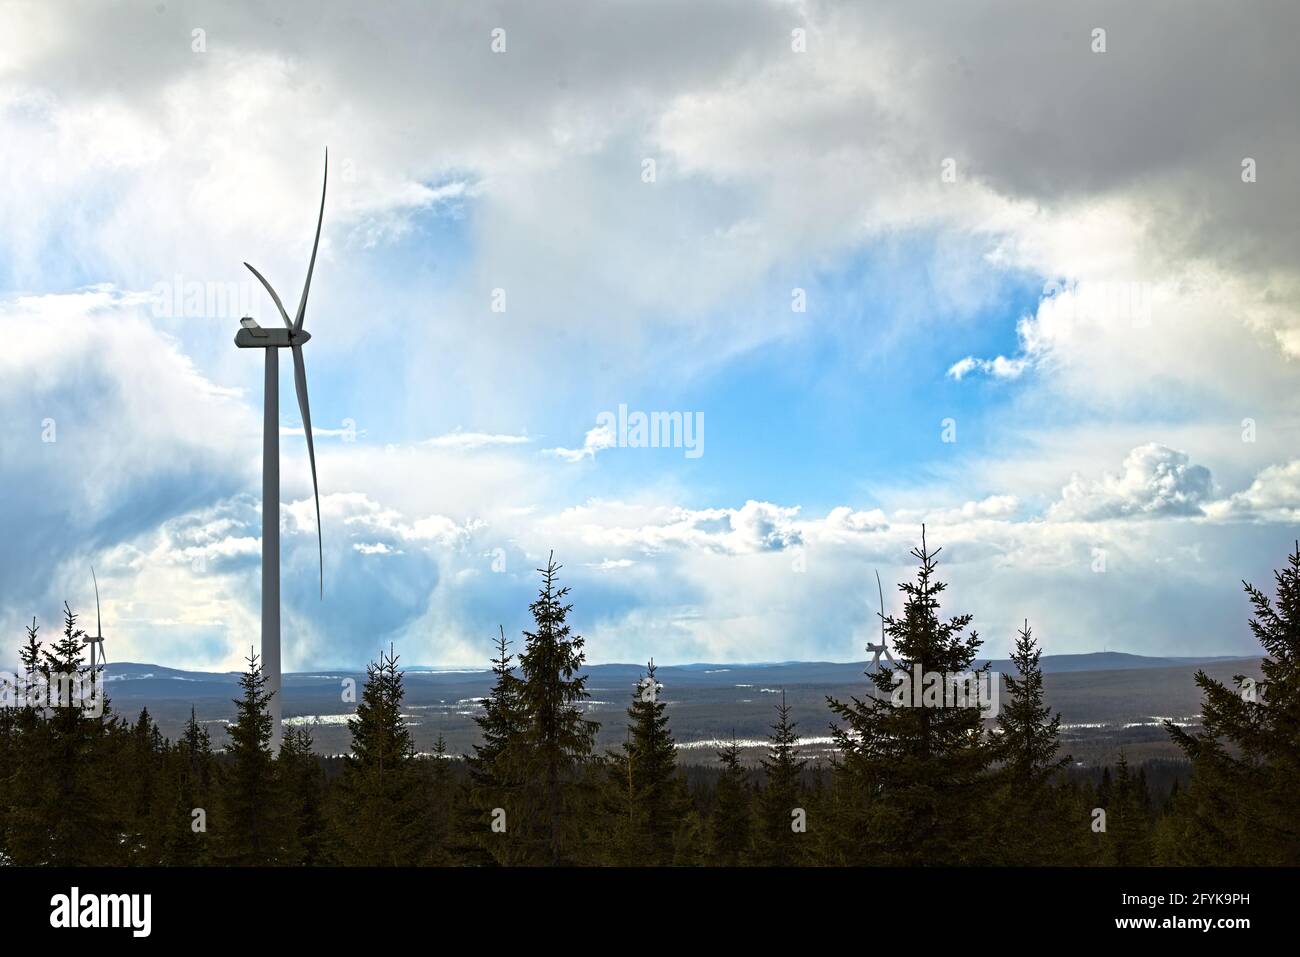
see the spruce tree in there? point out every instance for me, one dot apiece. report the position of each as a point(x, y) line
point(28, 783)
point(500, 723)
point(141, 787)
point(31, 654)
point(376, 818)
point(301, 784)
point(776, 842)
point(8, 758)
point(918, 770)
point(1128, 822)
point(249, 822)
point(80, 813)
point(492, 783)
point(557, 739)
point(1241, 805)
point(17, 717)
point(1030, 810)
point(188, 788)
point(443, 845)
point(730, 824)
point(644, 792)
point(195, 746)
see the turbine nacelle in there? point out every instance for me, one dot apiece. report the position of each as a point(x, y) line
point(253, 336)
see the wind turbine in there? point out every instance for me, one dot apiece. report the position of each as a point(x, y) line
point(883, 647)
point(98, 638)
point(292, 337)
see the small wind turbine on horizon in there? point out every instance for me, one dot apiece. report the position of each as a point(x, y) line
point(98, 638)
point(292, 337)
point(883, 647)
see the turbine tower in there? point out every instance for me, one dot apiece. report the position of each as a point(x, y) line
point(98, 638)
point(292, 337)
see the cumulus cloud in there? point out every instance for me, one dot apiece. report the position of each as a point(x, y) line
point(112, 431)
point(844, 524)
point(1155, 481)
point(754, 527)
point(1274, 495)
point(359, 514)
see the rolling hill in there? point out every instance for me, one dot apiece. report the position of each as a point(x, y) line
point(1108, 700)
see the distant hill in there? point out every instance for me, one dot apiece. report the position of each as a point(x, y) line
point(1110, 661)
point(1108, 700)
point(701, 672)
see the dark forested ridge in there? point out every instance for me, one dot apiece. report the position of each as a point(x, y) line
point(863, 778)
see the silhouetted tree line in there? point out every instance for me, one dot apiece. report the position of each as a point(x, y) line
point(908, 785)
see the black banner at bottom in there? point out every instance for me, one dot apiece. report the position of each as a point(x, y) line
point(211, 906)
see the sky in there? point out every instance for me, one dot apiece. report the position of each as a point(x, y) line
point(1023, 273)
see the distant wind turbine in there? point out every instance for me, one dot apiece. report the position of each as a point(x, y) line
point(98, 638)
point(292, 337)
point(883, 647)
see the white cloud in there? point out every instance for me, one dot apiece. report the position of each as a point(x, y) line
point(647, 530)
point(994, 507)
point(317, 432)
point(1155, 481)
point(374, 548)
point(468, 441)
point(357, 511)
point(843, 524)
point(1274, 495)
point(999, 368)
point(601, 437)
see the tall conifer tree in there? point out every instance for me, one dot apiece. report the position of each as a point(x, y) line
point(248, 825)
point(920, 766)
point(301, 784)
point(442, 845)
point(776, 841)
point(1127, 840)
point(188, 789)
point(1241, 807)
point(731, 822)
point(80, 805)
point(557, 739)
point(1030, 809)
point(377, 818)
point(142, 786)
point(493, 767)
point(30, 787)
point(644, 791)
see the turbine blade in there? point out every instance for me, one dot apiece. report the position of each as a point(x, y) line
point(99, 625)
point(306, 287)
point(274, 298)
point(881, 592)
point(300, 383)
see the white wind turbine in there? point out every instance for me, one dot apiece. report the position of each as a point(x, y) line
point(883, 647)
point(292, 337)
point(97, 640)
